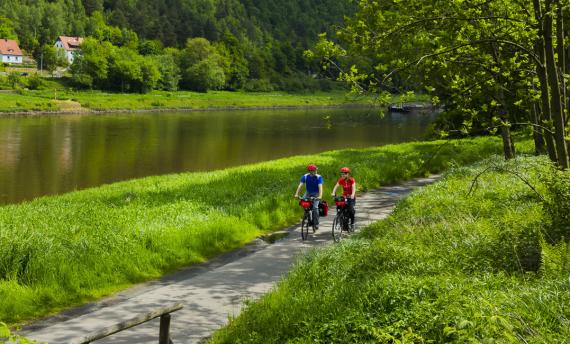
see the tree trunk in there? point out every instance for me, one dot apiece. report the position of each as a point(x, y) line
point(561, 54)
point(537, 131)
point(508, 146)
point(555, 100)
point(546, 118)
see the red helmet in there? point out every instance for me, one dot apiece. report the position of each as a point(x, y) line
point(345, 170)
point(311, 167)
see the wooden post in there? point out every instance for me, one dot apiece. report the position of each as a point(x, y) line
point(164, 334)
point(163, 313)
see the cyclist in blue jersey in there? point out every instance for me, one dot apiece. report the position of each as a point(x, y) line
point(314, 188)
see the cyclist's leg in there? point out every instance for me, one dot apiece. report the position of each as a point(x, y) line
point(315, 208)
point(316, 212)
point(351, 211)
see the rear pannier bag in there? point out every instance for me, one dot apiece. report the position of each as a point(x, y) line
point(323, 208)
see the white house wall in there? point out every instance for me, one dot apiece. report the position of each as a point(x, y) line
point(11, 59)
point(68, 54)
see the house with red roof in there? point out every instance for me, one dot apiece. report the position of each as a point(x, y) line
point(69, 45)
point(10, 51)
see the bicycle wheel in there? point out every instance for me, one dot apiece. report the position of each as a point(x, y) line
point(337, 228)
point(305, 227)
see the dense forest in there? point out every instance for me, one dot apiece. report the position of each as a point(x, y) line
point(251, 44)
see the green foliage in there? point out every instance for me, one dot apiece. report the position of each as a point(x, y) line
point(7, 28)
point(445, 267)
point(14, 79)
point(35, 81)
point(268, 47)
point(204, 75)
point(51, 58)
point(261, 85)
point(6, 336)
point(91, 66)
point(202, 66)
point(558, 206)
point(150, 47)
point(477, 59)
point(60, 250)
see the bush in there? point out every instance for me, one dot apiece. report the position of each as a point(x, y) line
point(14, 79)
point(35, 81)
point(258, 85)
point(557, 207)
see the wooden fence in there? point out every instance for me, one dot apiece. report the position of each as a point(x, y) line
point(164, 334)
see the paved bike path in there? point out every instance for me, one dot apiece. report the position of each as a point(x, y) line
point(209, 292)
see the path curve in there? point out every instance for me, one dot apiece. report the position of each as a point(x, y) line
point(210, 292)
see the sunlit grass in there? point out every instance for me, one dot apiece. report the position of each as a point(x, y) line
point(14, 102)
point(103, 101)
point(61, 250)
point(448, 266)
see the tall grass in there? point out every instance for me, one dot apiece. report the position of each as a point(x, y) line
point(61, 250)
point(447, 266)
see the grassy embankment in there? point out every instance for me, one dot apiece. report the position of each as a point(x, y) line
point(55, 96)
point(62, 250)
point(45, 100)
point(447, 266)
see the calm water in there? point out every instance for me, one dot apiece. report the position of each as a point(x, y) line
point(56, 154)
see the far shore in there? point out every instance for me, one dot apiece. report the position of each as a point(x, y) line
point(88, 111)
point(57, 102)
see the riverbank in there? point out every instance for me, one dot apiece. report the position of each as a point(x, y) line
point(56, 101)
point(457, 262)
point(63, 250)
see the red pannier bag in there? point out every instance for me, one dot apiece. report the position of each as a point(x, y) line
point(305, 204)
point(323, 208)
point(340, 202)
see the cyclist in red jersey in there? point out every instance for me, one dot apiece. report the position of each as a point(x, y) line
point(349, 191)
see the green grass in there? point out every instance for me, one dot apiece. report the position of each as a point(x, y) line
point(447, 266)
point(14, 102)
point(59, 251)
point(101, 101)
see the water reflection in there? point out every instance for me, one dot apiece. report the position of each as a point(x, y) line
point(56, 154)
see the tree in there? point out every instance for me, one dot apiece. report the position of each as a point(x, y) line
point(205, 75)
point(196, 50)
point(92, 6)
point(202, 66)
point(51, 58)
point(169, 72)
point(544, 11)
point(7, 28)
point(91, 66)
point(479, 58)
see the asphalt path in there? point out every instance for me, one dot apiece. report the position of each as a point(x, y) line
point(210, 292)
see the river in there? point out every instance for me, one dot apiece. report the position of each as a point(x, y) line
point(56, 154)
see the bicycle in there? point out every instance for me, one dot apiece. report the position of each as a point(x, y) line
point(341, 222)
point(307, 205)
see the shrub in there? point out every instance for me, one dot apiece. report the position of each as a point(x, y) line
point(557, 206)
point(35, 81)
point(258, 85)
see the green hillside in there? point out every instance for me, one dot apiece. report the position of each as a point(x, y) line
point(247, 44)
